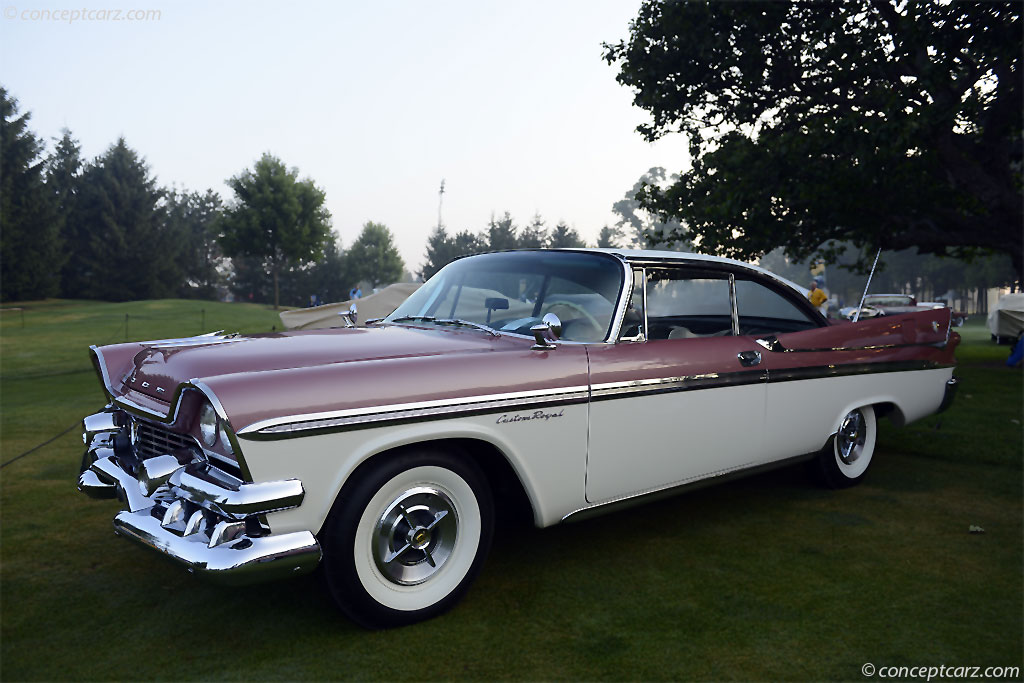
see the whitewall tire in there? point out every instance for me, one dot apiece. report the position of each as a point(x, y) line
point(846, 458)
point(406, 537)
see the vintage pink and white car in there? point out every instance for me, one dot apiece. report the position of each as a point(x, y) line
point(560, 383)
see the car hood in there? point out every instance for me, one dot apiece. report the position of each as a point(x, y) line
point(158, 368)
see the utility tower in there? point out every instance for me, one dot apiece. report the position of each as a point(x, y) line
point(440, 201)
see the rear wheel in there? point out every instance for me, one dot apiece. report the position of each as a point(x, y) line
point(406, 538)
point(846, 458)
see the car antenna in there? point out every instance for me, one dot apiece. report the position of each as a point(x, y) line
point(856, 316)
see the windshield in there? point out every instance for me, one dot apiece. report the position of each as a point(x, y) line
point(512, 291)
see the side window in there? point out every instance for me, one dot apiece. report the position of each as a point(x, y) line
point(765, 311)
point(682, 303)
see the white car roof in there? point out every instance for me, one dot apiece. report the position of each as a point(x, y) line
point(640, 254)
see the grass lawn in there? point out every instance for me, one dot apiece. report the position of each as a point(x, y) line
point(762, 579)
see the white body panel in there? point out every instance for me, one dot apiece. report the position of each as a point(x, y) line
point(651, 442)
point(548, 455)
point(803, 414)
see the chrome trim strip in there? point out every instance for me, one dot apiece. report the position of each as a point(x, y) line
point(620, 307)
point(289, 426)
point(217, 337)
point(734, 305)
point(772, 343)
point(823, 371)
point(229, 429)
point(671, 384)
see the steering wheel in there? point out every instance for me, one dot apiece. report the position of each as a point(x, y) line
point(579, 309)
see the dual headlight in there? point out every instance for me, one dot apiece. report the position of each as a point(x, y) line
point(210, 429)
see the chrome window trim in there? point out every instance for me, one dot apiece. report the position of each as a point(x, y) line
point(734, 305)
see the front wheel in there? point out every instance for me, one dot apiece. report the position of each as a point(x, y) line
point(406, 538)
point(845, 459)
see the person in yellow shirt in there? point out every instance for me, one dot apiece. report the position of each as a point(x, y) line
point(817, 295)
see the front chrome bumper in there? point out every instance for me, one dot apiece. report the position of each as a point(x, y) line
point(191, 511)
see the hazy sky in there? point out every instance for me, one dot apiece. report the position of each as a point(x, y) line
point(511, 103)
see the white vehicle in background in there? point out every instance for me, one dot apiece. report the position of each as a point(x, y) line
point(1006, 319)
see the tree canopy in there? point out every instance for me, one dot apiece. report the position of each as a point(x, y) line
point(276, 217)
point(373, 257)
point(887, 124)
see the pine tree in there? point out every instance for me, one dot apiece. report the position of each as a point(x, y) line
point(564, 237)
point(533, 235)
point(30, 245)
point(130, 250)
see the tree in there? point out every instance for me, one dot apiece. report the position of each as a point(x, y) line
point(439, 252)
point(275, 217)
point(888, 124)
point(443, 248)
point(534, 235)
point(373, 257)
point(29, 225)
point(609, 238)
point(126, 249)
point(642, 228)
point(63, 179)
point(502, 234)
point(562, 236)
point(195, 217)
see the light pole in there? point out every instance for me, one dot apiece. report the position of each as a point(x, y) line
point(440, 200)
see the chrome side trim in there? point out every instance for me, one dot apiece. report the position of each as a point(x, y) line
point(819, 372)
point(662, 385)
point(292, 425)
point(773, 344)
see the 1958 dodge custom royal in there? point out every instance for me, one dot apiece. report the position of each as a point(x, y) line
point(570, 381)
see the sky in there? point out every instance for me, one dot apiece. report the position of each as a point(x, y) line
point(510, 103)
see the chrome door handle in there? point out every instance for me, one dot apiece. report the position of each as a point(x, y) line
point(749, 358)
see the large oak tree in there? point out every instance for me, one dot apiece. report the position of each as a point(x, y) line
point(888, 124)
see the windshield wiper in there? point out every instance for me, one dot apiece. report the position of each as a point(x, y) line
point(413, 318)
point(467, 323)
point(445, 321)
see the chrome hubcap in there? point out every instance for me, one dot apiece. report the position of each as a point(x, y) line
point(851, 437)
point(415, 536)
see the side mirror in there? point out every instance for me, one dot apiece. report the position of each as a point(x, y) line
point(349, 316)
point(547, 332)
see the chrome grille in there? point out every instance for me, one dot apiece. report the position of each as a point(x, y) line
point(151, 440)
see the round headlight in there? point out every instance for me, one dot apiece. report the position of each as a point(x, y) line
point(208, 424)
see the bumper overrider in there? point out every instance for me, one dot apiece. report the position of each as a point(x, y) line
point(191, 511)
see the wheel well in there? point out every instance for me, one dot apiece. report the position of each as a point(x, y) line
point(511, 503)
point(892, 411)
